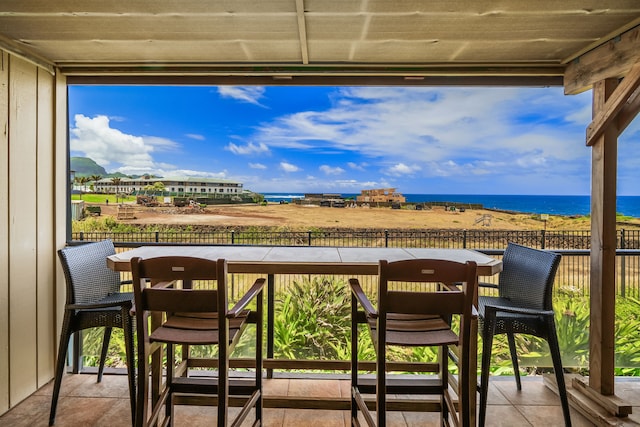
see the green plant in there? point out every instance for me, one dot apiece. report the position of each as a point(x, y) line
point(92, 345)
point(313, 319)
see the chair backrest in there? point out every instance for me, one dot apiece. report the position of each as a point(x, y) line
point(166, 294)
point(445, 301)
point(527, 276)
point(87, 276)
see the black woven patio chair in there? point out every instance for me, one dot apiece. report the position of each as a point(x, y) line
point(93, 300)
point(523, 306)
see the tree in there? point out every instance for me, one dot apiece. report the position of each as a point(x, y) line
point(94, 179)
point(77, 181)
point(159, 186)
point(116, 181)
point(82, 182)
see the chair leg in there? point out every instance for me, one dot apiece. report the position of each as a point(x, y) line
point(259, 339)
point(381, 381)
point(62, 353)
point(514, 359)
point(354, 358)
point(168, 409)
point(142, 388)
point(103, 353)
point(223, 381)
point(487, 343)
point(130, 350)
point(444, 377)
point(554, 347)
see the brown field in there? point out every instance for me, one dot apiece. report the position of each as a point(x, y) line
point(298, 217)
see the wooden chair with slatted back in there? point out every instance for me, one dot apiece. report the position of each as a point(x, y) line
point(188, 305)
point(420, 316)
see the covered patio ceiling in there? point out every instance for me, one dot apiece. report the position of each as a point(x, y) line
point(414, 42)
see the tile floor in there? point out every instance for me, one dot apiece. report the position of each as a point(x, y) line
point(83, 402)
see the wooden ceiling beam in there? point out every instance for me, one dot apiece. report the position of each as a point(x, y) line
point(614, 105)
point(629, 111)
point(315, 80)
point(14, 48)
point(612, 59)
point(302, 31)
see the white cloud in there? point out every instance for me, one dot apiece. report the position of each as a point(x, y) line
point(328, 170)
point(250, 94)
point(172, 172)
point(195, 136)
point(257, 166)
point(288, 167)
point(402, 169)
point(356, 166)
point(117, 151)
point(432, 126)
point(95, 138)
point(250, 148)
point(532, 161)
point(310, 184)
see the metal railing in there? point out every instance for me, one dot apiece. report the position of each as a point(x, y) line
point(573, 273)
point(437, 238)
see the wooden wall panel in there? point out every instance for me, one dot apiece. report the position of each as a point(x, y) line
point(61, 188)
point(22, 230)
point(4, 233)
point(45, 229)
point(33, 165)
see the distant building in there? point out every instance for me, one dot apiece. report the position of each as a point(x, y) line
point(322, 196)
point(186, 185)
point(323, 199)
point(380, 195)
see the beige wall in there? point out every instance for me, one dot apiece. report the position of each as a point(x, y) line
point(32, 221)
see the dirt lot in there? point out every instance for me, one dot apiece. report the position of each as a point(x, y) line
point(305, 217)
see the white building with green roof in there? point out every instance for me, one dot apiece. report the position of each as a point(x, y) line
point(179, 185)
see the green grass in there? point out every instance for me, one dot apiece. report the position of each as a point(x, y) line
point(102, 198)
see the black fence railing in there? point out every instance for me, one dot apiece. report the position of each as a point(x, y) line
point(436, 238)
point(573, 274)
point(572, 278)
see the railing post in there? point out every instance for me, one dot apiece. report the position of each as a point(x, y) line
point(386, 238)
point(309, 237)
point(271, 287)
point(81, 235)
point(543, 234)
point(157, 236)
point(233, 237)
point(623, 265)
point(464, 239)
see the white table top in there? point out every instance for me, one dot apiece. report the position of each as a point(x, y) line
point(306, 259)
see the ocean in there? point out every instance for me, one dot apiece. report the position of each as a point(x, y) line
point(552, 205)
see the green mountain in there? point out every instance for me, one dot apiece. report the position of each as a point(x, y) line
point(84, 166)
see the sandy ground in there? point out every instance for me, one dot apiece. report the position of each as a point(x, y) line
point(305, 217)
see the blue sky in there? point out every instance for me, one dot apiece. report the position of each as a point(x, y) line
point(432, 140)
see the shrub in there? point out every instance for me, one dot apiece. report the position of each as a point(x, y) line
point(313, 319)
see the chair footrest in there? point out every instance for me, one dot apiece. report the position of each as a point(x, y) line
point(426, 404)
point(209, 385)
point(431, 385)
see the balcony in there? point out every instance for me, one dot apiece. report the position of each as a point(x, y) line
point(84, 402)
point(296, 400)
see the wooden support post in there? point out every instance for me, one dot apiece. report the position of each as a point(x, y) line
point(603, 247)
